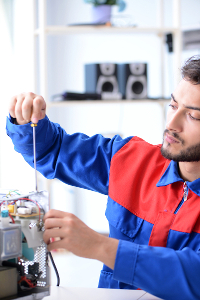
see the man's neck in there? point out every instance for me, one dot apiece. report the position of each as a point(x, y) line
point(189, 171)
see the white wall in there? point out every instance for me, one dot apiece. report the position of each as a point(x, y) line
point(16, 73)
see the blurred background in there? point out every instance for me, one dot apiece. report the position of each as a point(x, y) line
point(45, 48)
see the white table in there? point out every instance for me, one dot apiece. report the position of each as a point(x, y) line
point(71, 293)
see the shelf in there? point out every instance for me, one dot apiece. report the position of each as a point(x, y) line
point(104, 29)
point(95, 102)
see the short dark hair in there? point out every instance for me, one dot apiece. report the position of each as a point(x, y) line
point(191, 70)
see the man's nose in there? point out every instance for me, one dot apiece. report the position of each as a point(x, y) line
point(174, 121)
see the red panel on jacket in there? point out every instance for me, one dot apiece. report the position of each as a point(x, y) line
point(135, 170)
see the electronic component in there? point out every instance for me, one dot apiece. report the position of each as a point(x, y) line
point(10, 242)
point(8, 282)
point(22, 249)
point(24, 210)
point(11, 208)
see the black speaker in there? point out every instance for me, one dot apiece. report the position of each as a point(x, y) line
point(132, 78)
point(101, 78)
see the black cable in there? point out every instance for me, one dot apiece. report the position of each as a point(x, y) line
point(55, 269)
point(19, 267)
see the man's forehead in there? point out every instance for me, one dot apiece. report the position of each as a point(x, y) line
point(187, 93)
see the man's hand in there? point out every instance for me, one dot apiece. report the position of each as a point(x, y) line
point(76, 237)
point(27, 107)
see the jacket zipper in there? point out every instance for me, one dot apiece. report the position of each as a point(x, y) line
point(185, 195)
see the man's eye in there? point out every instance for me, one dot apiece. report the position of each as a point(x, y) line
point(193, 118)
point(172, 106)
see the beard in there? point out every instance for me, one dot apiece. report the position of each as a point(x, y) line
point(190, 154)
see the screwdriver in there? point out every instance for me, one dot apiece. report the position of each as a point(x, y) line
point(34, 154)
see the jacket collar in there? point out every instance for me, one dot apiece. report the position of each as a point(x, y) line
point(171, 175)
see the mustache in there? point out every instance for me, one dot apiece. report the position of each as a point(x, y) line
point(175, 135)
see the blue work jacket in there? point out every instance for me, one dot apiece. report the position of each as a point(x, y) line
point(153, 213)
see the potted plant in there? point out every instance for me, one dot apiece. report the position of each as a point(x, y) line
point(101, 9)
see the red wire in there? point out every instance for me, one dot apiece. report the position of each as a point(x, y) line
point(11, 218)
point(28, 281)
point(7, 200)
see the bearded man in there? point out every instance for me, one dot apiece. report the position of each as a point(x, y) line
point(153, 206)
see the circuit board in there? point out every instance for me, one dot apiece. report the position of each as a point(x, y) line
point(23, 253)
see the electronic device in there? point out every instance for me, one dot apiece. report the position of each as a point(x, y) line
point(191, 38)
point(71, 96)
point(101, 78)
point(76, 96)
point(169, 42)
point(24, 264)
point(132, 79)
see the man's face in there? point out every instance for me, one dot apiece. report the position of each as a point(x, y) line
point(181, 140)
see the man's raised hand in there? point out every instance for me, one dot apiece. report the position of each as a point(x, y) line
point(27, 107)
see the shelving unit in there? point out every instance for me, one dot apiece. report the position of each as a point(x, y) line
point(104, 29)
point(93, 102)
point(43, 31)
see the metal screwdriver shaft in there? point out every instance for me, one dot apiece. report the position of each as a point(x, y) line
point(34, 154)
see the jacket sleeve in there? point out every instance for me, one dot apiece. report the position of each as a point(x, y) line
point(75, 159)
point(163, 272)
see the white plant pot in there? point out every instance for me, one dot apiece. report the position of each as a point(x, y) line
point(101, 14)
